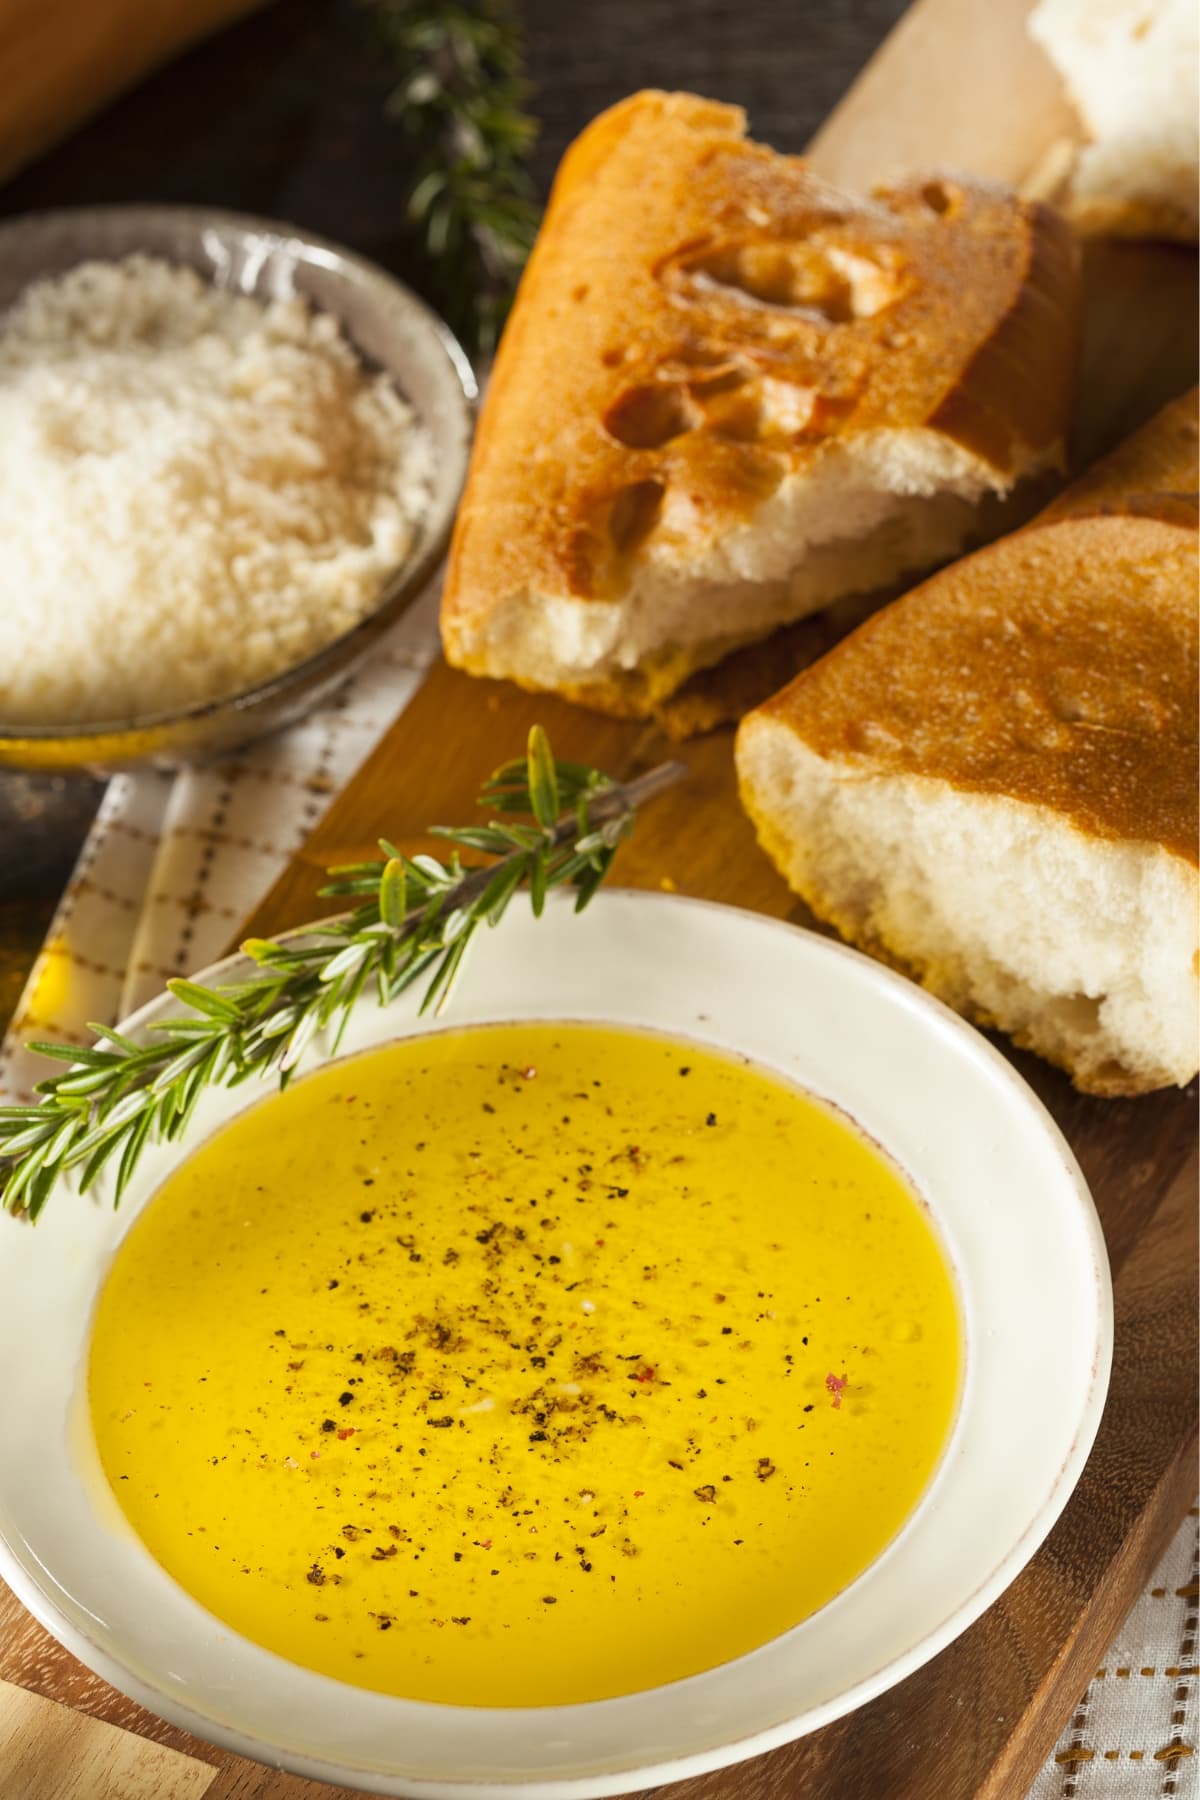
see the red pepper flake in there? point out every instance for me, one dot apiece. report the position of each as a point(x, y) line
point(483, 1543)
point(529, 1074)
point(638, 1493)
point(645, 1373)
point(834, 1385)
point(347, 1432)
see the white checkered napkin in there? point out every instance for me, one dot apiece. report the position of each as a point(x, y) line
point(173, 865)
point(1133, 1734)
point(168, 872)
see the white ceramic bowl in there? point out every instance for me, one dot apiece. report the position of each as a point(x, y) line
point(1021, 1233)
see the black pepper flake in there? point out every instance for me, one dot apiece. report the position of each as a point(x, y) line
point(765, 1468)
point(346, 1398)
point(338, 1552)
point(537, 1437)
point(366, 1217)
point(316, 1575)
point(332, 1284)
point(707, 1493)
point(711, 1119)
point(441, 1424)
point(328, 1424)
point(549, 1600)
point(686, 1070)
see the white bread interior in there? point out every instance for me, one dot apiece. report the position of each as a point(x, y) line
point(1131, 69)
point(872, 508)
point(1083, 949)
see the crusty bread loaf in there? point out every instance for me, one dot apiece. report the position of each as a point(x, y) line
point(728, 396)
point(1131, 68)
point(992, 783)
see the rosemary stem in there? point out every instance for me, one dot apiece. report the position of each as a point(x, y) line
point(615, 802)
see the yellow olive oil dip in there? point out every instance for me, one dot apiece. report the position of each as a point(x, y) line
point(522, 1365)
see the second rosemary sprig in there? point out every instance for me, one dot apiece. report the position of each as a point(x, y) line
point(554, 824)
point(460, 95)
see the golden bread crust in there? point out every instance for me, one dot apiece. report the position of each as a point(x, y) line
point(1154, 219)
point(1156, 470)
point(702, 318)
point(1057, 667)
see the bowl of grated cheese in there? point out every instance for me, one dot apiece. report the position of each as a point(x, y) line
point(230, 454)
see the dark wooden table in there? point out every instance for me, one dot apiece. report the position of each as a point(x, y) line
point(283, 115)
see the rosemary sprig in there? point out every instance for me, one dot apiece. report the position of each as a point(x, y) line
point(414, 922)
point(461, 97)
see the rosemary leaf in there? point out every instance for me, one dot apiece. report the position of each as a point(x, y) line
point(459, 95)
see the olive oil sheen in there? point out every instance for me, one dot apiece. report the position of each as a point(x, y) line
point(522, 1365)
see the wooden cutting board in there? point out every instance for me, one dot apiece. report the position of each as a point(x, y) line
point(959, 86)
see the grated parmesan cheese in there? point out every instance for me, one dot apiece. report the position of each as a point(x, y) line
point(197, 490)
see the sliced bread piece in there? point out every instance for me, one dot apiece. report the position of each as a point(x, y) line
point(992, 783)
point(728, 396)
point(1131, 68)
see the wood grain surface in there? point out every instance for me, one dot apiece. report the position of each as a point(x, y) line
point(980, 1719)
point(50, 1752)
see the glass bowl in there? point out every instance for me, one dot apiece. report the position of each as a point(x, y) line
point(394, 332)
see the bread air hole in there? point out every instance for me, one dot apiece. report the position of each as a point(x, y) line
point(819, 281)
point(942, 198)
point(1076, 1015)
point(647, 416)
point(634, 514)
